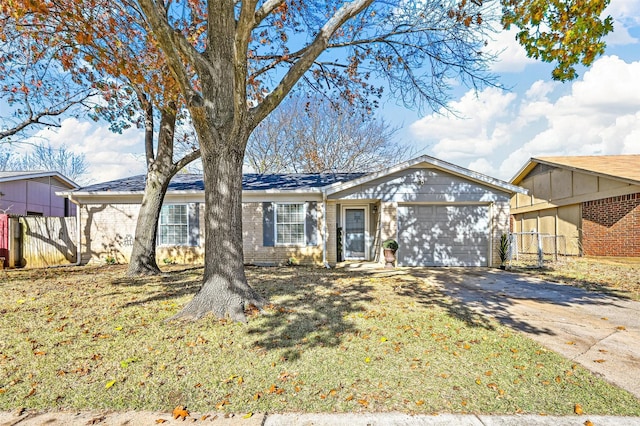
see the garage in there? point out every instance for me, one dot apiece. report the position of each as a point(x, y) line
point(443, 235)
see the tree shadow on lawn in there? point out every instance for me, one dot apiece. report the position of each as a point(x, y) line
point(311, 307)
point(431, 293)
point(171, 284)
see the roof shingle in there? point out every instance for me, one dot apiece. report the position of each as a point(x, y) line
point(250, 182)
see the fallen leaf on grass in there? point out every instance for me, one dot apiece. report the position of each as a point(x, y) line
point(276, 390)
point(180, 412)
point(109, 384)
point(578, 409)
point(363, 402)
point(248, 415)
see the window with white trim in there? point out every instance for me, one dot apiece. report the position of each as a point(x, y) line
point(290, 223)
point(173, 228)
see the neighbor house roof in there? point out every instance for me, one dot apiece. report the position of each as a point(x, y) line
point(312, 182)
point(621, 167)
point(9, 176)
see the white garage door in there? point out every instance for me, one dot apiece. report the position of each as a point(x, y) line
point(443, 235)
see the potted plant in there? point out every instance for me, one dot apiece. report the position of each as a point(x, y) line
point(503, 250)
point(390, 246)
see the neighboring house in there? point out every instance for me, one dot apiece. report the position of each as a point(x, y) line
point(29, 194)
point(34, 194)
point(592, 203)
point(441, 215)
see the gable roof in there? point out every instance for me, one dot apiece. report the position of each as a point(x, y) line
point(189, 183)
point(435, 163)
point(620, 167)
point(9, 176)
point(330, 183)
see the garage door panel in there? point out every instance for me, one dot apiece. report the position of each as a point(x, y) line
point(443, 235)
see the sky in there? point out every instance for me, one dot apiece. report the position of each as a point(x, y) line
point(494, 131)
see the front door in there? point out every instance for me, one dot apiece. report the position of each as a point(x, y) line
point(354, 233)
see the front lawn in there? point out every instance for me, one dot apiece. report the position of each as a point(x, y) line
point(616, 276)
point(331, 340)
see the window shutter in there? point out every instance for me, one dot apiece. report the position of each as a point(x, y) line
point(311, 223)
point(268, 224)
point(194, 224)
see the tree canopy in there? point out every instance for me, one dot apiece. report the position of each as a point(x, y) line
point(316, 135)
point(235, 61)
point(43, 156)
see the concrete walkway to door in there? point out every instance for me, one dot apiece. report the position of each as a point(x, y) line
point(600, 332)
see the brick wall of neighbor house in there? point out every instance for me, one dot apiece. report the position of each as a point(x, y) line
point(254, 251)
point(611, 226)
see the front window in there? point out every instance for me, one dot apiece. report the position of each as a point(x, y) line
point(174, 225)
point(290, 224)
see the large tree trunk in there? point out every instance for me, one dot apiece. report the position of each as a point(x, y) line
point(225, 290)
point(160, 170)
point(143, 255)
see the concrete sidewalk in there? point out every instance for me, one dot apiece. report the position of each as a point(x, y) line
point(349, 419)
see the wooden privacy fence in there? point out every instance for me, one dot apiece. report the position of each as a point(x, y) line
point(42, 241)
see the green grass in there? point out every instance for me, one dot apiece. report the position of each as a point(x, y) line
point(331, 340)
point(616, 276)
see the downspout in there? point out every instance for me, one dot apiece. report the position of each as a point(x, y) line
point(324, 230)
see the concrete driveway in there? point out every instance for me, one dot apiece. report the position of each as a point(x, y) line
point(600, 332)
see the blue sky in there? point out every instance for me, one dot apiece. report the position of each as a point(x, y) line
point(494, 131)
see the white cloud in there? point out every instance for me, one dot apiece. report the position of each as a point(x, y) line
point(512, 56)
point(109, 155)
point(476, 131)
point(626, 15)
point(498, 132)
